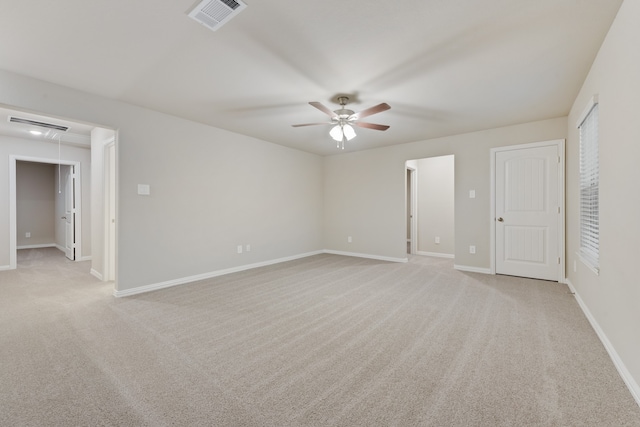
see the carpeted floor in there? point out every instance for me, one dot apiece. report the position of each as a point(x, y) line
point(321, 341)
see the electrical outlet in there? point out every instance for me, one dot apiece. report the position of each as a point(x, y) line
point(472, 249)
point(437, 240)
point(349, 239)
point(239, 249)
point(27, 234)
point(575, 266)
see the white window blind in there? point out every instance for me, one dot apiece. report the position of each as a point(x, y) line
point(589, 189)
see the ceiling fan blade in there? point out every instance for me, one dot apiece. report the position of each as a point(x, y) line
point(372, 110)
point(324, 109)
point(370, 126)
point(311, 124)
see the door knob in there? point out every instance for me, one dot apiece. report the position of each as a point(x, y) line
point(500, 219)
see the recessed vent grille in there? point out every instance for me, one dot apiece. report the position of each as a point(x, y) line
point(213, 14)
point(40, 124)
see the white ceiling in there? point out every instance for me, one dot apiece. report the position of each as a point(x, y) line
point(445, 66)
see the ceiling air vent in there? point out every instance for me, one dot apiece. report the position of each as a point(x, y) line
point(213, 14)
point(36, 123)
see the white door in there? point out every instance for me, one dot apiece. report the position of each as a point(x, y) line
point(527, 212)
point(69, 214)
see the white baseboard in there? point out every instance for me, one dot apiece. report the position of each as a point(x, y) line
point(472, 269)
point(377, 257)
point(628, 379)
point(44, 245)
point(5, 267)
point(60, 248)
point(85, 258)
point(435, 254)
point(96, 274)
point(190, 279)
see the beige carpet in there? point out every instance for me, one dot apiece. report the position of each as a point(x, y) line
point(322, 341)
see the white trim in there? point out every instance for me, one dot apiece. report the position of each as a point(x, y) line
point(13, 224)
point(470, 269)
point(592, 102)
point(628, 379)
point(190, 279)
point(435, 254)
point(5, 267)
point(560, 144)
point(85, 258)
point(357, 255)
point(109, 253)
point(414, 207)
point(45, 245)
point(96, 274)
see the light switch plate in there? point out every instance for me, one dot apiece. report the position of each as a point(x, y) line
point(144, 189)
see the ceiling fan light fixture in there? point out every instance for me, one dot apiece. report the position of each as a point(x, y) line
point(340, 132)
point(342, 120)
point(336, 133)
point(349, 132)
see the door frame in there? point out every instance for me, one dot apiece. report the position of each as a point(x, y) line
point(110, 202)
point(13, 224)
point(412, 194)
point(560, 145)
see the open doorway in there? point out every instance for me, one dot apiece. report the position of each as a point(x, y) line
point(45, 207)
point(430, 206)
point(87, 157)
point(45, 195)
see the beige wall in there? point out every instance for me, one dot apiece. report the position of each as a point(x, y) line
point(613, 297)
point(35, 204)
point(436, 205)
point(365, 191)
point(211, 190)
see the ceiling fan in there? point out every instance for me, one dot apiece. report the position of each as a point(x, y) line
point(344, 119)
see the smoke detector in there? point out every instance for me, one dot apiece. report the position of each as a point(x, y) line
point(213, 14)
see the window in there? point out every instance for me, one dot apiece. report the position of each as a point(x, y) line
point(589, 187)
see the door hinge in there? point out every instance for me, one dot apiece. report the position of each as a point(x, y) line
point(558, 260)
point(558, 159)
point(558, 209)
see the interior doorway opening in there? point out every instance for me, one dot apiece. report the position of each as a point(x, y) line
point(67, 228)
point(430, 193)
